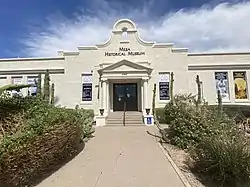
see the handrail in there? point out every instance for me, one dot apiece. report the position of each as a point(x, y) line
point(124, 111)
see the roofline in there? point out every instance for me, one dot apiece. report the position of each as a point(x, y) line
point(217, 54)
point(30, 59)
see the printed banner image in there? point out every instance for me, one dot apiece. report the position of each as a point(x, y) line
point(32, 89)
point(240, 85)
point(221, 79)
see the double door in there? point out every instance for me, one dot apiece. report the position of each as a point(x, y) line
point(125, 97)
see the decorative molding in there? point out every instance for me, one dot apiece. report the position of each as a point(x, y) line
point(136, 66)
point(162, 45)
point(105, 44)
point(218, 54)
point(179, 50)
point(31, 71)
point(124, 42)
point(218, 66)
point(31, 59)
point(87, 48)
point(124, 20)
point(143, 42)
point(71, 53)
point(128, 31)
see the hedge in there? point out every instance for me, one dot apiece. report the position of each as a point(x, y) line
point(37, 138)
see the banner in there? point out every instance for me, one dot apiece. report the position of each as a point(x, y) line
point(32, 89)
point(164, 86)
point(240, 85)
point(87, 92)
point(87, 87)
point(221, 79)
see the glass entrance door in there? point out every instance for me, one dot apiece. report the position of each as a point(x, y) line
point(125, 95)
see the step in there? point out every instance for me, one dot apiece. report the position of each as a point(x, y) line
point(129, 122)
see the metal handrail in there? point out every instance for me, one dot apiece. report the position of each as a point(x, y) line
point(124, 112)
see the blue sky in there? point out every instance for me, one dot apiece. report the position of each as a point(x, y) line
point(42, 27)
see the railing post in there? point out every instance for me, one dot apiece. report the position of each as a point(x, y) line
point(124, 111)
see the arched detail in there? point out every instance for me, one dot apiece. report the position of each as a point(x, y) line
point(124, 23)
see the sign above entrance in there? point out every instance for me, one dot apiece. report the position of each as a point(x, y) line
point(124, 51)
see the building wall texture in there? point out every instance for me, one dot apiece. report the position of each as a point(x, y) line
point(125, 57)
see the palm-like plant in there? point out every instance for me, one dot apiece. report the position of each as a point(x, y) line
point(11, 87)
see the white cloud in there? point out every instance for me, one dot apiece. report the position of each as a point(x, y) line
point(224, 27)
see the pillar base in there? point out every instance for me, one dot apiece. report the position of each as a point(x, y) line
point(100, 120)
point(148, 119)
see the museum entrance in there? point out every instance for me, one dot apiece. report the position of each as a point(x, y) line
point(125, 97)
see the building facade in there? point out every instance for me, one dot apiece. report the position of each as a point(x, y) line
point(126, 68)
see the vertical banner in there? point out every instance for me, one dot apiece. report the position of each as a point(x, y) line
point(164, 86)
point(87, 87)
point(32, 89)
point(221, 81)
point(240, 85)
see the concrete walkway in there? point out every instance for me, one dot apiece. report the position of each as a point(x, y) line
point(118, 157)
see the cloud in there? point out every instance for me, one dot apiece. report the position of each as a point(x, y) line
point(222, 28)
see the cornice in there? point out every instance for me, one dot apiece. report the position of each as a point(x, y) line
point(32, 71)
point(31, 59)
point(218, 66)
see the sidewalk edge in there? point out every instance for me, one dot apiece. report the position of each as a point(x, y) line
point(176, 168)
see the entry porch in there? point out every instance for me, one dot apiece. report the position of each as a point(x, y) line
point(123, 86)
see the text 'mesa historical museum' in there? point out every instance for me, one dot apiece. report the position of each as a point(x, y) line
point(126, 68)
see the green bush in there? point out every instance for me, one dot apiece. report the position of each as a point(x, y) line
point(224, 158)
point(188, 124)
point(238, 112)
point(219, 150)
point(160, 115)
point(38, 136)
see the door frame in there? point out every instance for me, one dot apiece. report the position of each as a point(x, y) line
point(136, 94)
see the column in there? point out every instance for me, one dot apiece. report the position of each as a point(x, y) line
point(145, 93)
point(142, 94)
point(108, 100)
point(100, 94)
point(104, 95)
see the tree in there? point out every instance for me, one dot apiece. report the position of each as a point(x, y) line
point(46, 87)
point(220, 107)
point(172, 87)
point(52, 101)
point(198, 82)
point(39, 86)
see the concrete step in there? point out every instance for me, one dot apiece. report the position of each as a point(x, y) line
point(131, 118)
point(126, 125)
point(129, 122)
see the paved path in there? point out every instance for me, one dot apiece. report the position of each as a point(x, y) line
point(117, 157)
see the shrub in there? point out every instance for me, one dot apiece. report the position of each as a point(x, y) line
point(44, 137)
point(218, 148)
point(224, 158)
point(160, 115)
point(189, 124)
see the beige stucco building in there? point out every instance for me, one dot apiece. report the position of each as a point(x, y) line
point(126, 68)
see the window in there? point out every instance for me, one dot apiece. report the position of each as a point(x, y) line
point(16, 80)
point(87, 87)
point(32, 90)
point(3, 81)
point(221, 81)
point(240, 85)
point(124, 33)
point(164, 86)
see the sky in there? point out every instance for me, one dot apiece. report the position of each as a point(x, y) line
point(40, 28)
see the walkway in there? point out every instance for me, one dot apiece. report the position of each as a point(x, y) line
point(117, 157)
